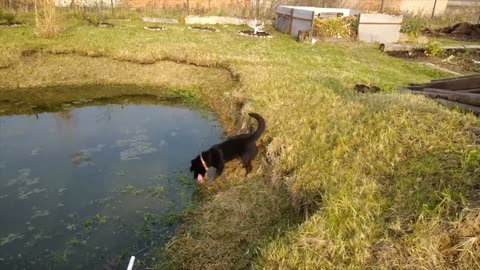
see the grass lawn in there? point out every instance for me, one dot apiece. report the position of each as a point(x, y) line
point(343, 180)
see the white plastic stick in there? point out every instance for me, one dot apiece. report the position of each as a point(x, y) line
point(130, 263)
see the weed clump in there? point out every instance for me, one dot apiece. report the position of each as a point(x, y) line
point(47, 23)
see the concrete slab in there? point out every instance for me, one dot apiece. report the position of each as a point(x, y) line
point(159, 20)
point(214, 20)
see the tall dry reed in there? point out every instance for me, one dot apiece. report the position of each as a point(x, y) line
point(46, 20)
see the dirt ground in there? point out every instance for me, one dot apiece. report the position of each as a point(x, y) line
point(459, 31)
point(464, 63)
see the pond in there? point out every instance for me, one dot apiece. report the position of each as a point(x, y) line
point(87, 187)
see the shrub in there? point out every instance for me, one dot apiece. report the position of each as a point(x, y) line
point(433, 49)
point(7, 16)
point(46, 19)
point(342, 27)
point(413, 25)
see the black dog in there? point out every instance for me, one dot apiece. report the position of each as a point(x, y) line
point(240, 146)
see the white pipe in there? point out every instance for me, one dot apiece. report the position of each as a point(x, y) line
point(130, 263)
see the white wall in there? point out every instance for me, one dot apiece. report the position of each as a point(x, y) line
point(423, 6)
point(87, 3)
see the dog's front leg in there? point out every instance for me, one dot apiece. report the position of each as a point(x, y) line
point(219, 170)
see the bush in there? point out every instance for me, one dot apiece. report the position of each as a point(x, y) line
point(433, 49)
point(413, 25)
point(7, 16)
point(343, 27)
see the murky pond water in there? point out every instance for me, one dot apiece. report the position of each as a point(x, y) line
point(88, 187)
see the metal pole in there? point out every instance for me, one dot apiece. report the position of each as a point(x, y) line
point(434, 6)
point(130, 263)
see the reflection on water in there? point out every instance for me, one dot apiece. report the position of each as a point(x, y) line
point(88, 187)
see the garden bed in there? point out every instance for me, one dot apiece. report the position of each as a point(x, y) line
point(11, 24)
point(251, 33)
point(203, 29)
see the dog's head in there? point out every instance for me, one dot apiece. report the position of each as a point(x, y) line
point(196, 166)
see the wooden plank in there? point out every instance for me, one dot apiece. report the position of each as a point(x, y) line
point(464, 98)
point(435, 90)
point(456, 78)
point(468, 108)
point(456, 84)
point(474, 90)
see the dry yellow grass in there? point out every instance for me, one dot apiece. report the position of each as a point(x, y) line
point(46, 20)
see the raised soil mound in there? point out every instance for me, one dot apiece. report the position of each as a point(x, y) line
point(465, 31)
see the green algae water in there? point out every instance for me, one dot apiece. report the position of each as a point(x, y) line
point(87, 187)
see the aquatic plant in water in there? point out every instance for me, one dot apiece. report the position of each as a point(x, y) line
point(10, 238)
point(83, 157)
point(23, 178)
point(40, 213)
point(136, 146)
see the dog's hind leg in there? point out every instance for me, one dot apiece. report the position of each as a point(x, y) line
point(247, 158)
point(219, 162)
point(219, 169)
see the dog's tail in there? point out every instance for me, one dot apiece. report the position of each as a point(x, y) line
point(261, 125)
